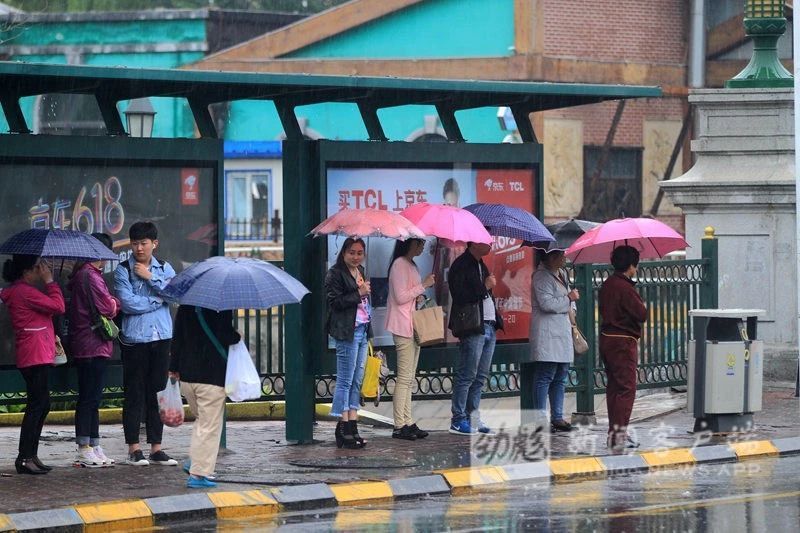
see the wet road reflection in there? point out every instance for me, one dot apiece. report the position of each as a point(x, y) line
point(756, 495)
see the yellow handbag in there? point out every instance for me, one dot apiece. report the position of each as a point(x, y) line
point(371, 385)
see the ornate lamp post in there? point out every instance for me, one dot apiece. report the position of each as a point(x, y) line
point(764, 23)
point(140, 116)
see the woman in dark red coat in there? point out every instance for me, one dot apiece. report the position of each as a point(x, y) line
point(623, 314)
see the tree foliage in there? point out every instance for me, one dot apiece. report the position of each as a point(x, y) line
point(59, 6)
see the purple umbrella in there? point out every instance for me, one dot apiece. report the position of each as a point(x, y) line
point(506, 221)
point(57, 243)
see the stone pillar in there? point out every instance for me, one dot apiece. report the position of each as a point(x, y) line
point(743, 185)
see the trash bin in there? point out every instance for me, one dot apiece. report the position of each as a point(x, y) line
point(726, 362)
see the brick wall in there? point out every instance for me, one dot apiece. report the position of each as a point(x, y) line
point(597, 118)
point(613, 30)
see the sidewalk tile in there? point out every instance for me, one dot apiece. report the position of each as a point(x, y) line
point(66, 519)
point(181, 506)
point(787, 445)
point(298, 497)
point(717, 453)
point(120, 515)
point(670, 457)
point(577, 468)
point(539, 471)
point(245, 504)
point(418, 486)
point(360, 492)
point(620, 464)
point(753, 448)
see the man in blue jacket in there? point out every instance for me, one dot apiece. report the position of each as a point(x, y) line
point(144, 340)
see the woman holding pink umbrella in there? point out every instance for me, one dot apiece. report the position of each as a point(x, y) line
point(349, 314)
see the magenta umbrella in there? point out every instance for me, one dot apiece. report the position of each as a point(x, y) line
point(457, 225)
point(368, 223)
point(652, 238)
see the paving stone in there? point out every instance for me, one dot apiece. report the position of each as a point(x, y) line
point(66, 520)
point(181, 507)
point(619, 464)
point(787, 445)
point(309, 496)
point(539, 471)
point(418, 486)
point(721, 453)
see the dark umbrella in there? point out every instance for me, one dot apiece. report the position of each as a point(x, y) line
point(227, 283)
point(568, 232)
point(63, 244)
point(506, 221)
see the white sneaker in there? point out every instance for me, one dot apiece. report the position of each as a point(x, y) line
point(87, 458)
point(98, 451)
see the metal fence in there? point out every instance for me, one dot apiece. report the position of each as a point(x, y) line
point(669, 288)
point(254, 229)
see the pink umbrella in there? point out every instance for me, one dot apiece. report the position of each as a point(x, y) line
point(368, 223)
point(652, 238)
point(447, 222)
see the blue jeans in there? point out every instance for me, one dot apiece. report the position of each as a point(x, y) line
point(351, 356)
point(550, 380)
point(474, 363)
point(91, 378)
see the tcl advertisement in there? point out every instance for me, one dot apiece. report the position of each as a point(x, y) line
point(395, 189)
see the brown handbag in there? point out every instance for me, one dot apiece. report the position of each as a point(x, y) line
point(579, 344)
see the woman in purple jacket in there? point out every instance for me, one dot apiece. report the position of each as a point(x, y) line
point(91, 354)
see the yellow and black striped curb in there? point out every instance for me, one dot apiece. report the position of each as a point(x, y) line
point(252, 504)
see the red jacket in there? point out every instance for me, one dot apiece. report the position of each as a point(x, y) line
point(621, 307)
point(32, 313)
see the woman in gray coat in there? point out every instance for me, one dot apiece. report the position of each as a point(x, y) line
point(551, 335)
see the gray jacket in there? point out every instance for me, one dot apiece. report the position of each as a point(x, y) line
point(551, 331)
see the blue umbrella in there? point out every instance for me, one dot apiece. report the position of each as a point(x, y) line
point(64, 244)
point(226, 283)
point(506, 221)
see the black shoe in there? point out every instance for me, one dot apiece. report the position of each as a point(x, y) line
point(630, 443)
point(27, 466)
point(405, 433)
point(353, 430)
point(345, 438)
point(40, 464)
point(561, 425)
point(420, 433)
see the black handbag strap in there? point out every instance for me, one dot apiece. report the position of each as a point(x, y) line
point(210, 334)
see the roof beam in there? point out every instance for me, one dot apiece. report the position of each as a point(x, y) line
point(311, 30)
point(110, 113)
point(13, 113)
point(725, 36)
point(369, 114)
point(449, 123)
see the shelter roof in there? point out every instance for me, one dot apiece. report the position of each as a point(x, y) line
point(202, 88)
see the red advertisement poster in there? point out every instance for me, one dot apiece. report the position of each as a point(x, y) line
point(510, 262)
point(190, 187)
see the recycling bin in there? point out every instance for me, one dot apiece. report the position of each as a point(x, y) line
point(726, 363)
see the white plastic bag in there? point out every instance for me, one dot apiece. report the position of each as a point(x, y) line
point(241, 377)
point(170, 405)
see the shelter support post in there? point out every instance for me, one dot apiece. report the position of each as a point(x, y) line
point(709, 292)
point(585, 364)
point(303, 259)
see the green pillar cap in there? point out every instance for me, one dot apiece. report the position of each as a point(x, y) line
point(764, 22)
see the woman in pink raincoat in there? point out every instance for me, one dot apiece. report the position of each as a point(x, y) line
point(32, 311)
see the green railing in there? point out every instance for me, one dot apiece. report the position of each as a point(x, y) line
point(669, 288)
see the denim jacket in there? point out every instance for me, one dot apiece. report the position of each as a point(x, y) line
point(145, 315)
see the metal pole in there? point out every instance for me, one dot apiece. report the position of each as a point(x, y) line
point(697, 45)
point(796, 67)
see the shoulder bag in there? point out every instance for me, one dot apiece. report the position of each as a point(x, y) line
point(105, 327)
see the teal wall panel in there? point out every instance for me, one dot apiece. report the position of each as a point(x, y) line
point(108, 32)
point(436, 28)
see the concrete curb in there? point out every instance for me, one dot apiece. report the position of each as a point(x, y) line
point(148, 513)
point(269, 410)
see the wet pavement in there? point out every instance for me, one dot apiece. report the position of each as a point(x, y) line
point(260, 458)
point(756, 495)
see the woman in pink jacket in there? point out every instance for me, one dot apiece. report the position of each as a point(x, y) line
point(405, 287)
point(91, 354)
point(32, 312)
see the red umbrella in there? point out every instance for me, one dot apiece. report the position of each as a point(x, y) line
point(447, 222)
point(368, 223)
point(652, 238)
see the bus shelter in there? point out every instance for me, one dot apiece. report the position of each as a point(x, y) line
point(105, 183)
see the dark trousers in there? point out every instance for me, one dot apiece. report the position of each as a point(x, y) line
point(620, 357)
point(91, 379)
point(144, 373)
point(36, 410)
